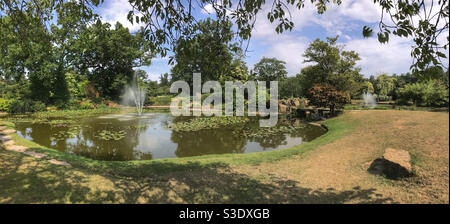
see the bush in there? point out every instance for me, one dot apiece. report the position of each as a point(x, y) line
point(382, 98)
point(101, 106)
point(25, 105)
point(160, 100)
point(430, 93)
point(87, 104)
point(4, 104)
point(324, 95)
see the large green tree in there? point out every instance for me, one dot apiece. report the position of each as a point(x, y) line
point(385, 85)
point(34, 45)
point(108, 55)
point(270, 69)
point(331, 65)
point(209, 52)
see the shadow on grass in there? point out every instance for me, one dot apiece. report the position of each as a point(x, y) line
point(388, 169)
point(27, 180)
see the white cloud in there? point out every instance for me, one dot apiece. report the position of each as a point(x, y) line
point(393, 57)
point(337, 20)
point(113, 11)
point(208, 9)
point(288, 48)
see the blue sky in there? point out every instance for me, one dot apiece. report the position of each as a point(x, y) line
point(346, 20)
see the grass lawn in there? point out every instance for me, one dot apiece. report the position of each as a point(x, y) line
point(330, 169)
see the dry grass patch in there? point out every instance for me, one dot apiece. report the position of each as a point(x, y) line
point(343, 164)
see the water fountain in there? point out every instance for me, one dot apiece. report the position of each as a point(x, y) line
point(136, 94)
point(369, 100)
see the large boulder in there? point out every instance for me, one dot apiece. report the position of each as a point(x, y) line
point(398, 156)
point(394, 164)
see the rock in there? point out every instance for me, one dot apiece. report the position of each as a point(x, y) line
point(282, 108)
point(35, 154)
point(296, 102)
point(394, 164)
point(5, 138)
point(56, 162)
point(16, 148)
point(9, 131)
point(2, 128)
point(9, 142)
point(401, 157)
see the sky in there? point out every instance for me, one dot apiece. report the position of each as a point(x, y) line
point(346, 20)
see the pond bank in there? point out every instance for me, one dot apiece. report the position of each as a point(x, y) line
point(330, 169)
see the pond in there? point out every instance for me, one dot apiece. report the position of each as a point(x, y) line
point(121, 137)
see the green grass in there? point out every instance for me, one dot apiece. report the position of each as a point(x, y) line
point(396, 107)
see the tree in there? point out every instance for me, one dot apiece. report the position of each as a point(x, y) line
point(36, 46)
point(325, 95)
point(26, 52)
point(270, 69)
point(385, 85)
point(425, 93)
point(290, 87)
point(239, 69)
point(164, 80)
point(108, 55)
point(431, 73)
point(210, 52)
point(332, 65)
point(367, 87)
point(425, 21)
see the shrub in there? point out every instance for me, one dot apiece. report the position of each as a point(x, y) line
point(87, 104)
point(101, 106)
point(430, 93)
point(160, 100)
point(303, 102)
point(324, 95)
point(382, 98)
point(4, 104)
point(25, 105)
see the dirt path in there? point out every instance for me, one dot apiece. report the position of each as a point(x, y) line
point(342, 165)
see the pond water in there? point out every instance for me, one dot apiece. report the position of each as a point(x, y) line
point(120, 137)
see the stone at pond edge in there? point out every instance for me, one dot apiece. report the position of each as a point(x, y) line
point(9, 142)
point(394, 164)
point(16, 148)
point(5, 138)
point(9, 131)
point(282, 108)
point(35, 154)
point(56, 162)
